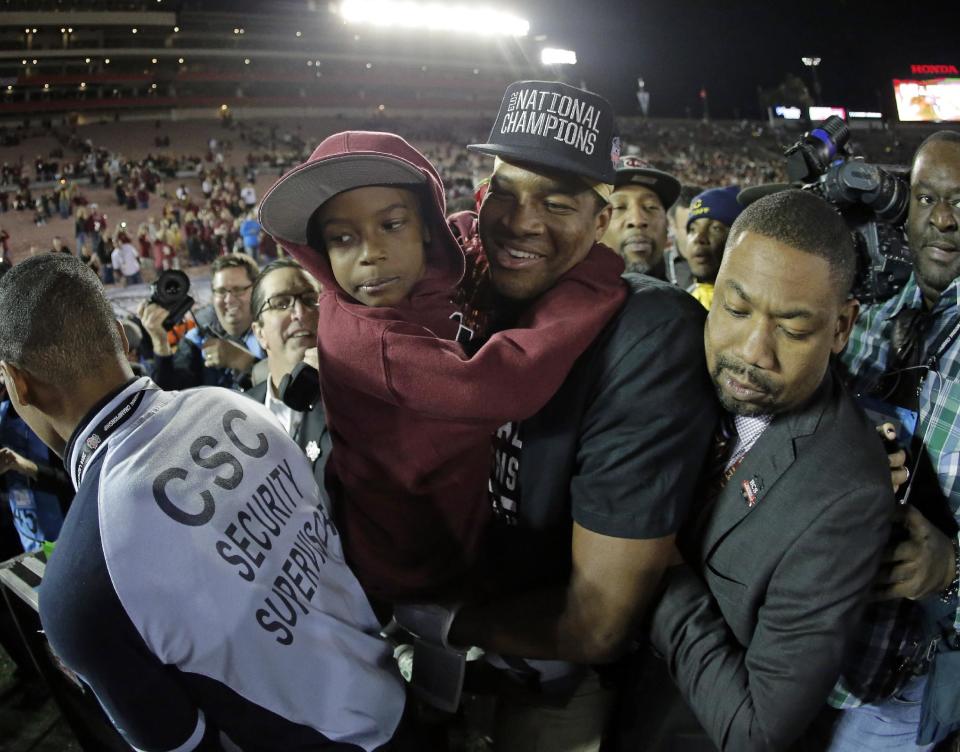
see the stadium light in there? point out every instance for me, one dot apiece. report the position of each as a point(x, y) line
point(812, 63)
point(433, 16)
point(553, 56)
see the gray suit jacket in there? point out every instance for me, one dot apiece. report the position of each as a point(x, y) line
point(754, 628)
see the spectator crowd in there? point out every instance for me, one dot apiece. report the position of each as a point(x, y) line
point(604, 446)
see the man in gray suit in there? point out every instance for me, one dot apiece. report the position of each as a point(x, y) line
point(283, 304)
point(780, 555)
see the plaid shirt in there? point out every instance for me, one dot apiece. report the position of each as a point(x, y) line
point(891, 629)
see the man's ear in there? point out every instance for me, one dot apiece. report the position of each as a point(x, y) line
point(258, 333)
point(603, 222)
point(123, 335)
point(844, 325)
point(18, 386)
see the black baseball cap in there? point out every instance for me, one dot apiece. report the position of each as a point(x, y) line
point(637, 171)
point(557, 126)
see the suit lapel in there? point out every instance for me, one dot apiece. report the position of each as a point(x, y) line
point(312, 427)
point(767, 460)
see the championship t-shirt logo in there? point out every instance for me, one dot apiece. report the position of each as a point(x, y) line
point(504, 484)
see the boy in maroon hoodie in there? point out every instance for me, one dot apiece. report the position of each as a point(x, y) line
point(410, 411)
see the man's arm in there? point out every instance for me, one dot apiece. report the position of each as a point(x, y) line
point(181, 370)
point(589, 620)
point(762, 696)
point(92, 634)
point(642, 442)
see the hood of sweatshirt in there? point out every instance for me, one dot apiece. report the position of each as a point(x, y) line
point(355, 159)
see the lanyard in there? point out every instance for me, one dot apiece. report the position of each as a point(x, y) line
point(102, 432)
point(951, 337)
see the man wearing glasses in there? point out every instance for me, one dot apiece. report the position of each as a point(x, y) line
point(221, 354)
point(284, 307)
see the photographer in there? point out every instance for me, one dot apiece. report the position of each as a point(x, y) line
point(906, 352)
point(220, 354)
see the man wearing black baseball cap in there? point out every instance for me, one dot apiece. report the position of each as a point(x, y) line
point(641, 197)
point(589, 492)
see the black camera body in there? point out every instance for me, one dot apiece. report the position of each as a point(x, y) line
point(300, 389)
point(872, 199)
point(171, 291)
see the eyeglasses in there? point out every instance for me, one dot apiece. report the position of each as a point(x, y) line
point(283, 301)
point(222, 292)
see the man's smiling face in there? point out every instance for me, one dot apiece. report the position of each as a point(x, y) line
point(535, 226)
point(933, 222)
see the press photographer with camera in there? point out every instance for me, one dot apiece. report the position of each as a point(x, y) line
point(221, 352)
point(899, 686)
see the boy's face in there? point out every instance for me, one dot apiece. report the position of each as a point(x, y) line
point(374, 237)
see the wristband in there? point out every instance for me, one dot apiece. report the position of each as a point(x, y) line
point(951, 590)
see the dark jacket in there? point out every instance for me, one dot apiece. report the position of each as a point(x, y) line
point(754, 628)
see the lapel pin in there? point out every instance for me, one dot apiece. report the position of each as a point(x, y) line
point(751, 490)
point(313, 450)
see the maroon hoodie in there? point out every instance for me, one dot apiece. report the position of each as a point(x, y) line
point(411, 414)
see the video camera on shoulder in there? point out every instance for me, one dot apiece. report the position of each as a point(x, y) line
point(171, 291)
point(872, 199)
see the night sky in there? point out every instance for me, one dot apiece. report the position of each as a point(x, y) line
point(732, 47)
